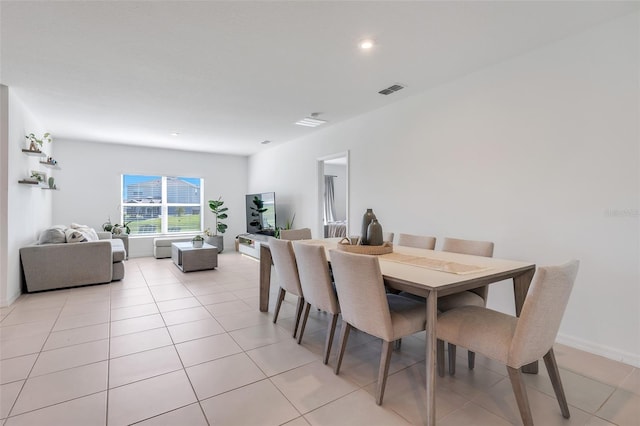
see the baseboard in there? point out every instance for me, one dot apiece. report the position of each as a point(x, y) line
point(7, 302)
point(605, 351)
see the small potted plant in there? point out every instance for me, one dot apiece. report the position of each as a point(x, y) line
point(220, 213)
point(35, 144)
point(197, 241)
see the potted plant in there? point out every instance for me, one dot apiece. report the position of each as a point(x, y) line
point(288, 225)
point(197, 241)
point(35, 144)
point(116, 229)
point(220, 213)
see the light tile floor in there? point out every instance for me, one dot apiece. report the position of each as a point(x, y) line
point(163, 347)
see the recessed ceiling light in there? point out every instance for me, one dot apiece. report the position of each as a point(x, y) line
point(366, 44)
point(175, 133)
point(265, 142)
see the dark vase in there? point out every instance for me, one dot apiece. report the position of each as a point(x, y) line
point(374, 233)
point(366, 220)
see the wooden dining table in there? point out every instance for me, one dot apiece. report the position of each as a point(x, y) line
point(430, 274)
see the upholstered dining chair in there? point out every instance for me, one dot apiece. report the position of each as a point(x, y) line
point(417, 241)
point(387, 237)
point(367, 307)
point(518, 341)
point(284, 262)
point(475, 297)
point(317, 287)
point(295, 234)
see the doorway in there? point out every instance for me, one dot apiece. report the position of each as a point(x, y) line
point(333, 195)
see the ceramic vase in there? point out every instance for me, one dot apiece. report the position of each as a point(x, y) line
point(374, 233)
point(366, 220)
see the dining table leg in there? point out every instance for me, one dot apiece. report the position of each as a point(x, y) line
point(521, 285)
point(265, 277)
point(430, 361)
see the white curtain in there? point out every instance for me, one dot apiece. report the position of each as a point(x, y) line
point(329, 200)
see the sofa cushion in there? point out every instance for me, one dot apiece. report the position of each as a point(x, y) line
point(53, 235)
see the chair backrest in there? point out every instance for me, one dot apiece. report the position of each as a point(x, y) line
point(388, 237)
point(295, 234)
point(361, 293)
point(475, 248)
point(417, 241)
point(315, 277)
point(284, 261)
point(542, 313)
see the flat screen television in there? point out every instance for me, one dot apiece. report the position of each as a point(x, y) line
point(261, 213)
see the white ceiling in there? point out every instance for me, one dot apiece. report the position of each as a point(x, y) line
point(229, 75)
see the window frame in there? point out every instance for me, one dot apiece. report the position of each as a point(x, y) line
point(164, 205)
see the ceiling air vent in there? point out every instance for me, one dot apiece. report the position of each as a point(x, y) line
point(389, 90)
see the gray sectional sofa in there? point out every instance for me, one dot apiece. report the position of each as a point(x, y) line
point(69, 264)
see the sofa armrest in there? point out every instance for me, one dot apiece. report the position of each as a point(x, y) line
point(50, 266)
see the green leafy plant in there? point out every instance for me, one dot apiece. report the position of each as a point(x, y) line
point(37, 176)
point(31, 138)
point(198, 238)
point(288, 225)
point(220, 213)
point(116, 229)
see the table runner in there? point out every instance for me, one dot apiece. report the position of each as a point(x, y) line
point(434, 264)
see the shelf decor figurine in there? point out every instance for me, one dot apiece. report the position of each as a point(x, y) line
point(52, 184)
point(35, 144)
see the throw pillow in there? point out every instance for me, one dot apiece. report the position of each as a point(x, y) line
point(88, 232)
point(53, 235)
point(74, 236)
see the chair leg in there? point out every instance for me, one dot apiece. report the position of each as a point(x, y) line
point(471, 359)
point(307, 308)
point(440, 357)
point(344, 335)
point(520, 391)
point(330, 333)
point(554, 374)
point(397, 344)
point(385, 359)
point(298, 315)
point(452, 359)
point(281, 294)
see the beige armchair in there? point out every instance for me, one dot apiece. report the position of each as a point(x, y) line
point(284, 262)
point(475, 297)
point(518, 341)
point(417, 241)
point(315, 279)
point(367, 307)
point(295, 234)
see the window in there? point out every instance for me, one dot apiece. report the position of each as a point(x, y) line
point(161, 204)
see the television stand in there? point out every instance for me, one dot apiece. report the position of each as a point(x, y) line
point(249, 244)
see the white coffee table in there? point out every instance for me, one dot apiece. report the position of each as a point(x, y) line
point(189, 258)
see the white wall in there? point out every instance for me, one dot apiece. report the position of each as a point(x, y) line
point(28, 208)
point(89, 182)
point(539, 154)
